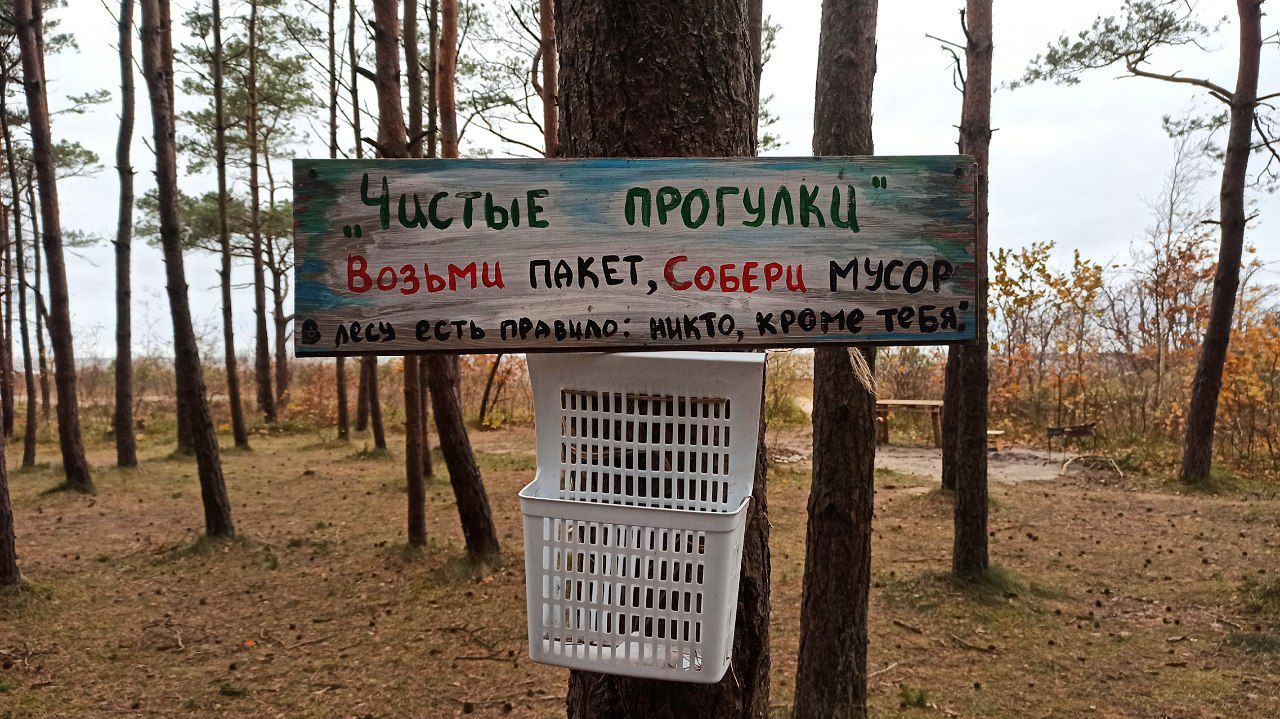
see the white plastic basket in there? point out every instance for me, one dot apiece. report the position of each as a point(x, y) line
point(633, 524)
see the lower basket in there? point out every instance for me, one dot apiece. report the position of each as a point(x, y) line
point(637, 591)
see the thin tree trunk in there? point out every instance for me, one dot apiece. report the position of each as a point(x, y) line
point(280, 318)
point(464, 474)
point(433, 68)
point(393, 143)
point(261, 348)
point(28, 25)
point(41, 311)
point(442, 371)
point(969, 554)
point(122, 418)
point(424, 388)
point(29, 433)
point(375, 405)
point(550, 114)
point(413, 77)
point(488, 387)
point(433, 39)
point(157, 58)
point(1197, 455)
point(446, 72)
point(340, 364)
point(239, 431)
point(6, 350)
point(703, 107)
point(831, 667)
point(362, 395)
point(10, 575)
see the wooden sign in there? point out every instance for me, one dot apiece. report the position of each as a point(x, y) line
point(399, 256)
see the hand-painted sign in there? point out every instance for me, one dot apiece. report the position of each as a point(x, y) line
point(397, 256)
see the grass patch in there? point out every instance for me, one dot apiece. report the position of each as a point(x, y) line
point(1255, 642)
point(1223, 481)
point(502, 461)
point(204, 545)
point(1261, 597)
point(7, 685)
point(996, 587)
point(910, 697)
point(372, 453)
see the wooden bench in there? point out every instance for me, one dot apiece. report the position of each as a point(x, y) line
point(993, 439)
point(884, 408)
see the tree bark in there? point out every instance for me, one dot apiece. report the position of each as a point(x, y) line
point(362, 395)
point(375, 405)
point(488, 387)
point(339, 364)
point(425, 390)
point(550, 114)
point(10, 575)
point(41, 311)
point(122, 418)
point(29, 432)
point(28, 25)
point(393, 141)
point(261, 348)
point(831, 668)
point(464, 474)
point(446, 78)
point(1197, 454)
point(413, 79)
point(433, 111)
point(28, 373)
point(969, 554)
point(6, 349)
point(157, 56)
point(700, 104)
point(239, 430)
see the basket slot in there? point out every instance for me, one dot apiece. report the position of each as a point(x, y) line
point(647, 450)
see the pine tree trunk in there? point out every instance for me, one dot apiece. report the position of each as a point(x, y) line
point(362, 395)
point(550, 114)
point(375, 404)
point(442, 371)
point(122, 417)
point(413, 77)
point(702, 106)
point(340, 364)
point(969, 547)
point(6, 349)
point(464, 474)
point(425, 391)
point(261, 347)
point(239, 431)
point(41, 311)
point(281, 319)
point(433, 69)
point(28, 25)
point(446, 78)
point(157, 55)
point(1197, 455)
point(29, 433)
point(831, 667)
point(488, 388)
point(9, 572)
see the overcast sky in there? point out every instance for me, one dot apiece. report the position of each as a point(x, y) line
point(1075, 165)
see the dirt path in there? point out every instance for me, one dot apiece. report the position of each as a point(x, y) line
point(1009, 466)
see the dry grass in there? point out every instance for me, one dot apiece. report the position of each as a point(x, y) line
point(1110, 601)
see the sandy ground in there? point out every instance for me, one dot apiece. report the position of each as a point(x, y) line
point(1128, 600)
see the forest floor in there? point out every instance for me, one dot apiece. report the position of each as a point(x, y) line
point(1113, 598)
